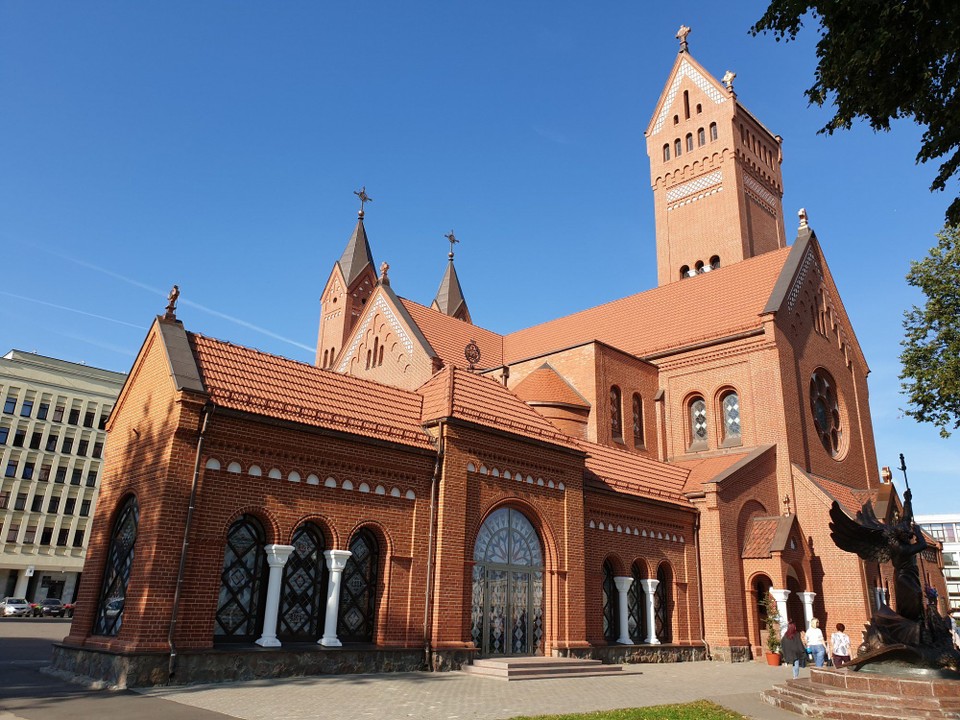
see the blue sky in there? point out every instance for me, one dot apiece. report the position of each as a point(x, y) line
point(217, 145)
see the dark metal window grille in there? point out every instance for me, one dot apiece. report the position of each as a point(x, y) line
point(609, 604)
point(731, 417)
point(637, 608)
point(242, 583)
point(303, 596)
point(698, 422)
point(661, 606)
point(358, 591)
point(119, 561)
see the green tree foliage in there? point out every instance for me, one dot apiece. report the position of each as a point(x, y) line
point(880, 60)
point(931, 346)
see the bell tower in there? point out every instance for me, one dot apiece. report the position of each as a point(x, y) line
point(715, 172)
point(350, 285)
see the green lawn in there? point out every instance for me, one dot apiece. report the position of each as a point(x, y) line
point(700, 710)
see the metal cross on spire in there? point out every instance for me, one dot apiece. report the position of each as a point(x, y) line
point(364, 198)
point(453, 241)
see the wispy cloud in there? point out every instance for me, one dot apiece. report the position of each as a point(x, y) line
point(78, 311)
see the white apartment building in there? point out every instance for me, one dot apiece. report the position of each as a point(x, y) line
point(51, 450)
point(946, 529)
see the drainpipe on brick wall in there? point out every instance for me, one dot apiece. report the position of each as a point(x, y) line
point(703, 617)
point(208, 409)
point(428, 594)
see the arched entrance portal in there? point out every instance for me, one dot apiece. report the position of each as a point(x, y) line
point(507, 613)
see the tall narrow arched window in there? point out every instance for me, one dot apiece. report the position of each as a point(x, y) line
point(686, 104)
point(358, 589)
point(730, 407)
point(637, 421)
point(303, 595)
point(376, 350)
point(243, 583)
point(666, 152)
point(663, 604)
point(616, 413)
point(698, 423)
point(368, 359)
point(689, 142)
point(380, 357)
point(636, 607)
point(701, 137)
point(610, 630)
point(713, 131)
point(326, 354)
point(113, 591)
point(676, 147)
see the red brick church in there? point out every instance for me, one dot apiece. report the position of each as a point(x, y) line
point(624, 483)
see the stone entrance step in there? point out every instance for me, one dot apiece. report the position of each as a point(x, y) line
point(538, 668)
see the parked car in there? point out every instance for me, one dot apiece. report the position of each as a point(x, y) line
point(14, 607)
point(51, 607)
point(69, 608)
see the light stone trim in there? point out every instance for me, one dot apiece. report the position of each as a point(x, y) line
point(686, 70)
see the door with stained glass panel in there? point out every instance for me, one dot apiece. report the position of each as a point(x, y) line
point(507, 612)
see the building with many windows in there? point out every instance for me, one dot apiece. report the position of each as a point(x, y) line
point(52, 437)
point(946, 529)
point(625, 483)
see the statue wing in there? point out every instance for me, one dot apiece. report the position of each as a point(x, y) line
point(866, 539)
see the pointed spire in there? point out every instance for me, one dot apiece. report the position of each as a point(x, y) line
point(356, 256)
point(449, 299)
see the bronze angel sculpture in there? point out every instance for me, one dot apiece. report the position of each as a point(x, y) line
point(915, 633)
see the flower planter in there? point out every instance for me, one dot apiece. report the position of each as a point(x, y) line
point(773, 659)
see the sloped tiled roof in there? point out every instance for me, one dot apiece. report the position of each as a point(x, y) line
point(545, 385)
point(629, 472)
point(851, 499)
point(482, 400)
point(244, 379)
point(704, 470)
point(666, 317)
point(760, 533)
point(449, 336)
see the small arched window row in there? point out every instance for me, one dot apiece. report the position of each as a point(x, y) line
point(650, 533)
point(727, 408)
point(700, 267)
point(375, 354)
point(516, 475)
point(293, 476)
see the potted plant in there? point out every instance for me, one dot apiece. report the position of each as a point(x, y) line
point(773, 630)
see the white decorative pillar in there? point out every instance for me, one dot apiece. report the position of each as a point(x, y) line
point(781, 597)
point(276, 558)
point(807, 599)
point(336, 562)
point(649, 589)
point(879, 596)
point(623, 585)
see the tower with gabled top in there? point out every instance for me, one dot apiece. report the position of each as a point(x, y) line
point(449, 299)
point(715, 171)
point(351, 282)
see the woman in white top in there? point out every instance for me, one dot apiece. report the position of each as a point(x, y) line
point(841, 646)
point(816, 643)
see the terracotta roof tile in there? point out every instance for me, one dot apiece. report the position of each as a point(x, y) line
point(851, 499)
point(629, 472)
point(663, 318)
point(545, 385)
point(449, 336)
point(760, 533)
point(252, 381)
point(482, 400)
point(704, 470)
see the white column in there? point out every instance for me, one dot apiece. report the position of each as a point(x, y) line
point(276, 558)
point(781, 597)
point(649, 589)
point(623, 585)
point(336, 562)
point(807, 599)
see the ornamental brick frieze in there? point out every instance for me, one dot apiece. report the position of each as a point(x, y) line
point(686, 70)
point(516, 476)
point(636, 531)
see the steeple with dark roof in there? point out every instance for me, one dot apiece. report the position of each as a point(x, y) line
point(356, 256)
point(449, 299)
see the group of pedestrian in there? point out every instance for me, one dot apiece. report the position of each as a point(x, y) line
point(797, 646)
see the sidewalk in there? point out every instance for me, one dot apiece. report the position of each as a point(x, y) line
point(456, 696)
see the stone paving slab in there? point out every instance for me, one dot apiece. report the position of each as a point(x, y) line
point(458, 696)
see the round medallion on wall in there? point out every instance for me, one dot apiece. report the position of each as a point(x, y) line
point(825, 407)
point(472, 353)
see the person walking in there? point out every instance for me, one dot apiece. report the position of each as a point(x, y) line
point(840, 644)
point(816, 643)
point(792, 648)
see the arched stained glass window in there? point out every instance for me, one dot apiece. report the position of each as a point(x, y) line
point(242, 583)
point(303, 597)
point(609, 604)
point(637, 421)
point(730, 406)
point(616, 413)
point(117, 573)
point(826, 411)
point(662, 601)
point(358, 590)
point(698, 422)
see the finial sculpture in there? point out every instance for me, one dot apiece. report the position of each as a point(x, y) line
point(728, 77)
point(364, 198)
point(682, 37)
point(384, 280)
point(802, 214)
point(453, 241)
point(171, 309)
point(915, 635)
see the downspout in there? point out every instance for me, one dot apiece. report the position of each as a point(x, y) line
point(428, 594)
point(208, 409)
point(703, 617)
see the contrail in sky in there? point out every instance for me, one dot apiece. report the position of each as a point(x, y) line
point(70, 309)
point(162, 293)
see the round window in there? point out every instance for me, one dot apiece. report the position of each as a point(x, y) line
point(826, 411)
